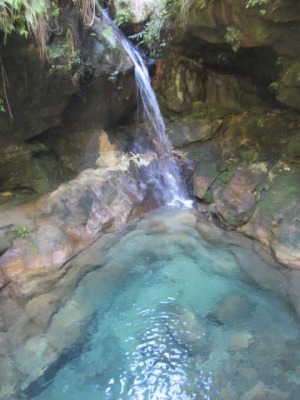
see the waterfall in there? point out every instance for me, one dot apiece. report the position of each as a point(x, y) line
point(164, 174)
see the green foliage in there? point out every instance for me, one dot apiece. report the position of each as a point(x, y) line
point(55, 12)
point(2, 106)
point(32, 17)
point(109, 36)
point(259, 4)
point(21, 232)
point(55, 52)
point(154, 36)
point(274, 86)
point(233, 36)
point(23, 16)
point(74, 61)
point(256, 3)
point(151, 35)
point(124, 15)
point(63, 56)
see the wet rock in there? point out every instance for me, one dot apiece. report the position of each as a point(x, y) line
point(185, 133)
point(203, 178)
point(293, 148)
point(210, 233)
point(7, 370)
point(286, 246)
point(236, 202)
point(180, 82)
point(47, 94)
point(70, 219)
point(241, 340)
point(28, 170)
point(235, 205)
point(230, 309)
point(275, 222)
point(41, 308)
point(74, 317)
point(186, 86)
point(184, 326)
point(289, 88)
point(6, 239)
point(240, 48)
point(230, 92)
point(293, 289)
point(67, 94)
point(246, 179)
point(33, 358)
point(263, 392)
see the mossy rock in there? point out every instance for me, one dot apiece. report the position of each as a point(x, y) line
point(289, 89)
point(226, 176)
point(283, 192)
point(248, 154)
point(208, 198)
point(293, 148)
point(236, 206)
point(205, 175)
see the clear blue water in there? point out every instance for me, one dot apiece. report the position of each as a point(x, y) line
point(175, 317)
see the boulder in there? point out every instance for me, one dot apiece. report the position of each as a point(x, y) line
point(289, 87)
point(84, 81)
point(185, 133)
point(70, 219)
point(230, 309)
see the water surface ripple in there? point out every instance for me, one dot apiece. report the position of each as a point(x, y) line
point(178, 318)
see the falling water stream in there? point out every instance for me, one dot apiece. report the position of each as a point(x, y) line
point(164, 170)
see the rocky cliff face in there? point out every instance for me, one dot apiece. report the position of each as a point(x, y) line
point(85, 82)
point(258, 45)
point(230, 87)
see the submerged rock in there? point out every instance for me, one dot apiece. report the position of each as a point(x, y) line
point(263, 392)
point(185, 327)
point(241, 340)
point(230, 309)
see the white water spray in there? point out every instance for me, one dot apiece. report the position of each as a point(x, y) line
point(164, 171)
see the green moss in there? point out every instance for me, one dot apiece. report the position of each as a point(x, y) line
point(21, 232)
point(283, 193)
point(293, 149)
point(292, 75)
point(198, 106)
point(208, 198)
point(248, 154)
point(261, 34)
point(234, 37)
point(226, 176)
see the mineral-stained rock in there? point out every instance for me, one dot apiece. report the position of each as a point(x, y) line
point(184, 133)
point(237, 205)
point(70, 218)
point(42, 327)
